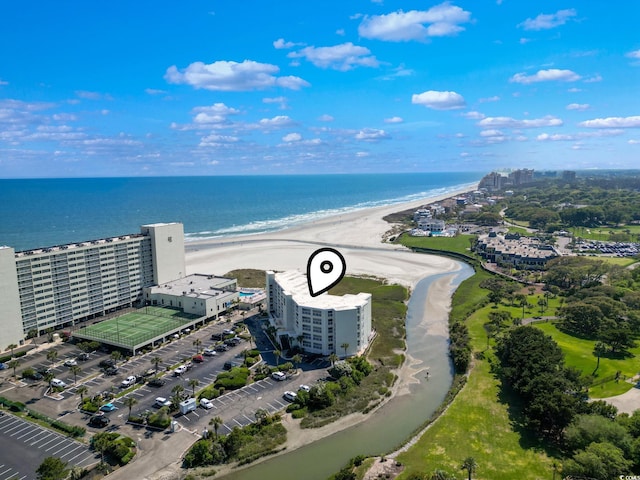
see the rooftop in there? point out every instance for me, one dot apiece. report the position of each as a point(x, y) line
point(295, 284)
point(195, 285)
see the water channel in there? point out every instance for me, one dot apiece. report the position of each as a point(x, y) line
point(393, 423)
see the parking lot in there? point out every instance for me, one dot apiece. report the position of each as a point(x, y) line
point(24, 446)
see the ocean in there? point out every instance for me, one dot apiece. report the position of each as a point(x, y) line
point(38, 213)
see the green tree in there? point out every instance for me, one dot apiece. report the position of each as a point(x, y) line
point(75, 370)
point(297, 360)
point(216, 423)
point(82, 390)
point(48, 377)
point(193, 383)
point(178, 391)
point(13, 364)
point(599, 350)
point(601, 461)
point(197, 343)
point(333, 358)
point(52, 468)
point(52, 355)
point(130, 402)
point(116, 356)
point(277, 353)
point(11, 347)
point(156, 361)
point(345, 346)
point(469, 464)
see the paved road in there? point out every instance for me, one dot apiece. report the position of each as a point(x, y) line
point(24, 446)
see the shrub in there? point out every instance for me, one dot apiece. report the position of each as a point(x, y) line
point(160, 419)
point(340, 369)
point(210, 392)
point(233, 379)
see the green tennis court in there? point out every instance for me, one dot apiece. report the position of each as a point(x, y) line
point(138, 328)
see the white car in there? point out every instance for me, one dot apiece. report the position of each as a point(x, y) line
point(291, 396)
point(56, 382)
point(209, 352)
point(180, 370)
point(70, 363)
point(161, 402)
point(278, 376)
point(127, 382)
point(306, 388)
point(206, 403)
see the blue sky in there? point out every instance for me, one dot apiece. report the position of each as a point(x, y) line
point(227, 87)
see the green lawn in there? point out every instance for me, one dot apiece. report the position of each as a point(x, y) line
point(579, 353)
point(458, 244)
point(477, 424)
point(602, 233)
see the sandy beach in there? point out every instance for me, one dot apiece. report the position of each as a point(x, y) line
point(358, 236)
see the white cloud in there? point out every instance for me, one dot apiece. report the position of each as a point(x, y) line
point(633, 142)
point(553, 74)
point(371, 134)
point(593, 79)
point(473, 115)
point(154, 91)
point(3, 82)
point(281, 101)
point(393, 120)
point(508, 122)
point(340, 32)
point(495, 98)
point(64, 117)
point(326, 118)
point(439, 100)
point(214, 140)
point(544, 137)
point(93, 95)
point(343, 57)
point(362, 154)
point(612, 122)
point(547, 21)
point(232, 76)
point(278, 121)
point(292, 137)
point(635, 54)
point(557, 137)
point(400, 26)
point(281, 44)
point(491, 133)
point(574, 90)
point(581, 107)
point(524, 41)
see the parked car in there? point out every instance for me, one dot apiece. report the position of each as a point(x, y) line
point(70, 362)
point(228, 331)
point(217, 336)
point(99, 421)
point(206, 403)
point(127, 382)
point(198, 358)
point(209, 352)
point(188, 365)
point(111, 371)
point(228, 365)
point(83, 357)
point(161, 402)
point(291, 396)
point(221, 348)
point(32, 374)
point(43, 370)
point(108, 407)
point(305, 388)
point(279, 376)
point(232, 342)
point(157, 382)
point(3, 366)
point(179, 370)
point(107, 362)
point(56, 382)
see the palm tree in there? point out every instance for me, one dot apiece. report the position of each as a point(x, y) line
point(52, 355)
point(439, 475)
point(297, 359)
point(345, 345)
point(82, 390)
point(216, 422)
point(116, 356)
point(156, 361)
point(48, 377)
point(177, 391)
point(300, 339)
point(13, 364)
point(11, 347)
point(196, 343)
point(193, 383)
point(333, 358)
point(469, 464)
point(277, 354)
point(598, 350)
point(130, 402)
point(75, 369)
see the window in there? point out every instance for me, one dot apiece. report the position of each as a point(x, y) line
point(317, 346)
point(317, 329)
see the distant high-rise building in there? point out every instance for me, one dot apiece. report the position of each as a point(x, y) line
point(569, 176)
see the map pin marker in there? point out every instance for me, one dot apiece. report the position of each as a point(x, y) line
point(325, 268)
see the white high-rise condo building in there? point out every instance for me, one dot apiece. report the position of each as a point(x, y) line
point(322, 325)
point(63, 285)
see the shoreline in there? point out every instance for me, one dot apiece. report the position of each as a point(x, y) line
point(359, 237)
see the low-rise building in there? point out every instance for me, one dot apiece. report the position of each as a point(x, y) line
point(522, 253)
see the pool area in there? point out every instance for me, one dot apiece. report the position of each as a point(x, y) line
point(251, 297)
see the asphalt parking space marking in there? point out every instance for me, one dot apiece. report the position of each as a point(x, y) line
point(2, 473)
point(36, 436)
point(26, 427)
point(250, 421)
point(239, 424)
point(252, 388)
point(29, 432)
point(19, 424)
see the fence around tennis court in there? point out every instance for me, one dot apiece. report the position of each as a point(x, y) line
point(133, 334)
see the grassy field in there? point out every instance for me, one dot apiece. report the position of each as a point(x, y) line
point(602, 233)
point(478, 423)
point(579, 353)
point(137, 327)
point(458, 244)
point(622, 262)
point(248, 277)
